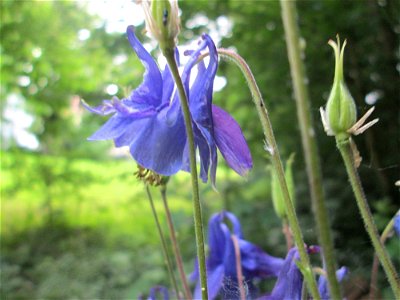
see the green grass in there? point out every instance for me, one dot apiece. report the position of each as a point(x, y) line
point(73, 227)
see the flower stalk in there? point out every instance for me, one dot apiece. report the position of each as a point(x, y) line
point(198, 223)
point(310, 148)
point(277, 165)
point(238, 267)
point(375, 265)
point(175, 246)
point(163, 243)
point(347, 155)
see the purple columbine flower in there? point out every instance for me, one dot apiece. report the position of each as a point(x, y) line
point(290, 280)
point(323, 283)
point(151, 123)
point(221, 262)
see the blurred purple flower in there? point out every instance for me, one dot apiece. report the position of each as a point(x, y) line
point(163, 291)
point(221, 261)
point(151, 123)
point(396, 225)
point(323, 283)
point(290, 280)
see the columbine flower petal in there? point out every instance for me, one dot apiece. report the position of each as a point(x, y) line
point(150, 90)
point(290, 279)
point(221, 262)
point(231, 142)
point(160, 147)
point(323, 283)
point(256, 263)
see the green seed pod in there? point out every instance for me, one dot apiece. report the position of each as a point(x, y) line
point(340, 109)
point(277, 195)
point(289, 177)
point(162, 21)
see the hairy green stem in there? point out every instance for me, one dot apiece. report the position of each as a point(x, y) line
point(375, 265)
point(310, 148)
point(175, 245)
point(163, 243)
point(198, 223)
point(347, 155)
point(277, 165)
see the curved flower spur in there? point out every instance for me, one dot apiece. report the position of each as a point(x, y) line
point(150, 120)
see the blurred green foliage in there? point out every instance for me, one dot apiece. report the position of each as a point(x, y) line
point(75, 222)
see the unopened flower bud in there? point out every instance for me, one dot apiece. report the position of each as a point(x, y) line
point(341, 111)
point(277, 195)
point(162, 21)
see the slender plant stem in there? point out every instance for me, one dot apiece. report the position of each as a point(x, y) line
point(374, 278)
point(375, 265)
point(347, 155)
point(310, 148)
point(277, 165)
point(198, 223)
point(238, 267)
point(175, 245)
point(163, 243)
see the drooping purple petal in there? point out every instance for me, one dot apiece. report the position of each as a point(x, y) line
point(200, 106)
point(216, 239)
point(214, 282)
point(323, 283)
point(114, 127)
point(159, 147)
point(231, 142)
point(168, 85)
point(131, 132)
point(229, 255)
point(290, 280)
point(204, 151)
point(150, 90)
point(258, 264)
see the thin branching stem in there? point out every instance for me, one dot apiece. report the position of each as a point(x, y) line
point(175, 245)
point(239, 273)
point(163, 243)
